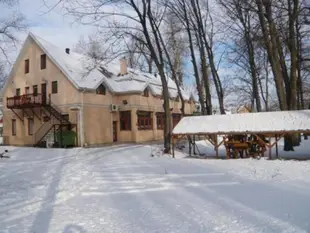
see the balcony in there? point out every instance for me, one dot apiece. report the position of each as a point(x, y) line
point(26, 101)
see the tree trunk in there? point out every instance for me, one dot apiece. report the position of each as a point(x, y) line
point(194, 62)
point(272, 51)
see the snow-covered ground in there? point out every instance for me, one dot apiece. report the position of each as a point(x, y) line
point(122, 189)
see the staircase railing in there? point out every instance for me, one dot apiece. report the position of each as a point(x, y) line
point(56, 109)
point(43, 130)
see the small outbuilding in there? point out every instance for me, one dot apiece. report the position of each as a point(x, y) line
point(247, 133)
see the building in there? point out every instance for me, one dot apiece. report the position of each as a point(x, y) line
point(52, 91)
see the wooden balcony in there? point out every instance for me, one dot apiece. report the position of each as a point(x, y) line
point(26, 101)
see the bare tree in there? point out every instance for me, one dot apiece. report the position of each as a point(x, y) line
point(9, 25)
point(143, 17)
point(244, 46)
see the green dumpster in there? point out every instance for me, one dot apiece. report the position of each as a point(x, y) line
point(68, 138)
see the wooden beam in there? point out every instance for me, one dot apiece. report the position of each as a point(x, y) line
point(173, 145)
point(216, 147)
point(270, 147)
point(277, 139)
point(277, 152)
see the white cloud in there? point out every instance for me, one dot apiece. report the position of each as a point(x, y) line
point(52, 26)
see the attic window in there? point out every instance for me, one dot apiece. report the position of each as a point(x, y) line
point(27, 66)
point(146, 92)
point(101, 90)
point(43, 61)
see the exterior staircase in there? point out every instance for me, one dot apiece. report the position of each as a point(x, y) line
point(45, 135)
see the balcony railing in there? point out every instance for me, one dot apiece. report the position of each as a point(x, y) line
point(27, 100)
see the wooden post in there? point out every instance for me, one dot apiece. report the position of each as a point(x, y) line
point(216, 147)
point(194, 144)
point(173, 144)
point(190, 146)
point(270, 147)
point(277, 152)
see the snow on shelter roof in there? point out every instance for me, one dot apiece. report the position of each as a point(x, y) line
point(263, 122)
point(84, 74)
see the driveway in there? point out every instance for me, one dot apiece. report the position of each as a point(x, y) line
point(122, 189)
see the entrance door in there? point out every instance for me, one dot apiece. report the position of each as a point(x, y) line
point(43, 93)
point(114, 131)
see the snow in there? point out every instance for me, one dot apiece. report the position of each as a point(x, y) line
point(84, 73)
point(246, 122)
point(290, 166)
point(123, 189)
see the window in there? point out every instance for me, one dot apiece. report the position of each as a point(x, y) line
point(175, 119)
point(35, 89)
point(146, 92)
point(144, 120)
point(160, 119)
point(54, 87)
point(101, 90)
point(18, 92)
point(177, 99)
point(125, 120)
point(27, 90)
point(13, 127)
point(27, 63)
point(43, 61)
point(30, 126)
point(65, 116)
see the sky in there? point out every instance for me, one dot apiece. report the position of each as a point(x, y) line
point(61, 30)
point(52, 26)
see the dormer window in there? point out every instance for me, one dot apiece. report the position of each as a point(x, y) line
point(101, 90)
point(177, 99)
point(146, 92)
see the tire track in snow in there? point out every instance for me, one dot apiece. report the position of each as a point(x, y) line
point(29, 207)
point(273, 224)
point(162, 211)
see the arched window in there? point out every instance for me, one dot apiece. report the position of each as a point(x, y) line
point(101, 90)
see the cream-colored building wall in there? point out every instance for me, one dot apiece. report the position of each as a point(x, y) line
point(99, 119)
point(67, 93)
point(93, 109)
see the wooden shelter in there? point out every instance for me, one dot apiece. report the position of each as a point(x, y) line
point(247, 134)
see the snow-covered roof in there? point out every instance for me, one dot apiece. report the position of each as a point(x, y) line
point(85, 74)
point(247, 122)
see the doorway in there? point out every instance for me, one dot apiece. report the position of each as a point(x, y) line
point(114, 131)
point(43, 93)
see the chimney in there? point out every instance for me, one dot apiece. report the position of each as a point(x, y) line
point(123, 66)
point(67, 50)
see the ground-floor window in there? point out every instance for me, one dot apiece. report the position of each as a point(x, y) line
point(175, 119)
point(30, 126)
point(144, 120)
point(125, 120)
point(13, 127)
point(160, 120)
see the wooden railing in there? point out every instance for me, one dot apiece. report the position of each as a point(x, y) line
point(25, 100)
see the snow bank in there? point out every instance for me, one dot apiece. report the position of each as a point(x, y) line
point(276, 170)
point(256, 169)
point(247, 122)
